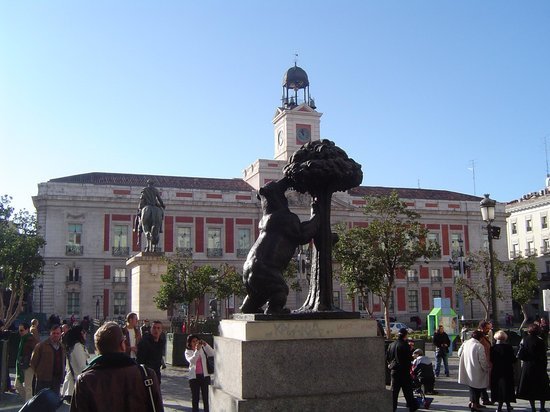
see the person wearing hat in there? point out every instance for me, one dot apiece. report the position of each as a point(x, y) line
point(399, 360)
point(422, 370)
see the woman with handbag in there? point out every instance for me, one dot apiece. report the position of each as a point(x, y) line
point(533, 381)
point(197, 354)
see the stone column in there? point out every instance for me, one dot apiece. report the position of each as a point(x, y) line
point(299, 365)
point(146, 268)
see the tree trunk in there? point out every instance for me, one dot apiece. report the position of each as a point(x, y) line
point(486, 308)
point(387, 319)
point(319, 297)
point(524, 321)
point(363, 299)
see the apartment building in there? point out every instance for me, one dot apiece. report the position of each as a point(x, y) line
point(529, 236)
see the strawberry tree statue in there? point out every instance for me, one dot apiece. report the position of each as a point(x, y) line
point(321, 168)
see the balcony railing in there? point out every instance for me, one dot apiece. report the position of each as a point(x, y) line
point(515, 254)
point(214, 252)
point(530, 252)
point(74, 250)
point(436, 255)
point(412, 278)
point(121, 251)
point(185, 251)
point(73, 279)
point(242, 252)
point(436, 278)
point(545, 249)
point(120, 280)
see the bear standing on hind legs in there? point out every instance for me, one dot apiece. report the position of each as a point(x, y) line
point(280, 234)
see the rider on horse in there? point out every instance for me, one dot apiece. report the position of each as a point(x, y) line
point(150, 196)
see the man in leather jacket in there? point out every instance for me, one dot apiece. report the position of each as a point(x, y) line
point(113, 381)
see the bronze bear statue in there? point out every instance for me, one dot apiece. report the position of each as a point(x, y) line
point(280, 234)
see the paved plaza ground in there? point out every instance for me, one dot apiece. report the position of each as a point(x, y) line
point(177, 397)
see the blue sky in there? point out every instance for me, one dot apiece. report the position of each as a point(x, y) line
point(412, 90)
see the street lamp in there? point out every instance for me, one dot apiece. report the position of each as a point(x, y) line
point(41, 288)
point(462, 266)
point(487, 206)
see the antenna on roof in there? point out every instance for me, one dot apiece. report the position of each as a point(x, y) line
point(546, 154)
point(296, 59)
point(473, 170)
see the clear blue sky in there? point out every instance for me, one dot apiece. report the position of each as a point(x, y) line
point(412, 90)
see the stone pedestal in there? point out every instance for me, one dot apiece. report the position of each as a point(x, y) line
point(299, 365)
point(146, 269)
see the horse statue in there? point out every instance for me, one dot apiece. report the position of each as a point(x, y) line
point(150, 217)
point(150, 222)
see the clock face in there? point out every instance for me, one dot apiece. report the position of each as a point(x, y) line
point(280, 138)
point(303, 134)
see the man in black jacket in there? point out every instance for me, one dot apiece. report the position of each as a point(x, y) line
point(399, 360)
point(150, 349)
point(441, 342)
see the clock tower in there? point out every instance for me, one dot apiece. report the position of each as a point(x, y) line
point(296, 121)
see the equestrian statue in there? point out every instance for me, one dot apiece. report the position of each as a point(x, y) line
point(150, 216)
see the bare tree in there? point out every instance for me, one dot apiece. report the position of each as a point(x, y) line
point(480, 288)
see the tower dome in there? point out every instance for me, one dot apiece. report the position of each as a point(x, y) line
point(296, 79)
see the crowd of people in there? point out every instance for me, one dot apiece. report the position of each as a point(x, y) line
point(486, 362)
point(127, 358)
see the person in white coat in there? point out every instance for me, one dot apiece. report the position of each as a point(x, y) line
point(77, 359)
point(473, 368)
point(199, 378)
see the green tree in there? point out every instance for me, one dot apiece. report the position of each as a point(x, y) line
point(354, 273)
point(183, 283)
point(393, 241)
point(480, 287)
point(228, 283)
point(290, 274)
point(522, 273)
point(174, 290)
point(20, 259)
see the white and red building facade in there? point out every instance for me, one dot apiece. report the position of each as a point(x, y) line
point(87, 221)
